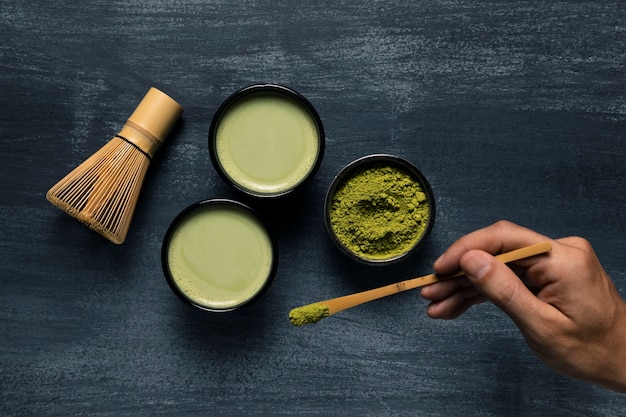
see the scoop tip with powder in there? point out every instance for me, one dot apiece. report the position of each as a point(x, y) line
point(308, 314)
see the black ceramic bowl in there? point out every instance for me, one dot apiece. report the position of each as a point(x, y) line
point(266, 140)
point(379, 209)
point(218, 255)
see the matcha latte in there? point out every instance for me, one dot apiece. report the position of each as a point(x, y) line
point(218, 255)
point(266, 140)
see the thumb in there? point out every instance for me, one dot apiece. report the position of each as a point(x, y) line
point(501, 286)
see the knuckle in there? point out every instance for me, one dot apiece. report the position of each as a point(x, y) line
point(580, 243)
point(503, 224)
point(582, 247)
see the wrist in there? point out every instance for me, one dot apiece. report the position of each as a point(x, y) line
point(614, 376)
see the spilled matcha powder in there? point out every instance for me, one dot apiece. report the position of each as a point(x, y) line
point(379, 212)
point(308, 314)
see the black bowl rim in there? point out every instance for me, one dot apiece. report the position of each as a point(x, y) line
point(360, 163)
point(182, 216)
point(262, 88)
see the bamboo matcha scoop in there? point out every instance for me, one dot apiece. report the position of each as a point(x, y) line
point(312, 313)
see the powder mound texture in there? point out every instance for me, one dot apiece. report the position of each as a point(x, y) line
point(308, 314)
point(380, 212)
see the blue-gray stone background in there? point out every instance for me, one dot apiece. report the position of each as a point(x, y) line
point(512, 109)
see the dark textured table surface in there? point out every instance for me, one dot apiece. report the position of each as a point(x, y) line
point(513, 110)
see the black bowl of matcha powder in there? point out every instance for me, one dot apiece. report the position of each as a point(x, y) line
point(379, 209)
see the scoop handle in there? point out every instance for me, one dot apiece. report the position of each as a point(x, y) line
point(347, 301)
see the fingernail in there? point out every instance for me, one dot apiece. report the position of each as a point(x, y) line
point(431, 307)
point(476, 264)
point(439, 260)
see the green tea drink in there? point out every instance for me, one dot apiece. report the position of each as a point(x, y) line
point(219, 256)
point(267, 143)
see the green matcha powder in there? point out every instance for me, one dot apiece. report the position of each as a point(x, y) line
point(308, 314)
point(380, 212)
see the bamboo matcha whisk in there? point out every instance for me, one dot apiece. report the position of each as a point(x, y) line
point(102, 192)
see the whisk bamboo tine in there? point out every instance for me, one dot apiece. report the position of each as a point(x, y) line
point(314, 312)
point(103, 191)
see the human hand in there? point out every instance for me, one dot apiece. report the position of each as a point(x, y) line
point(563, 302)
